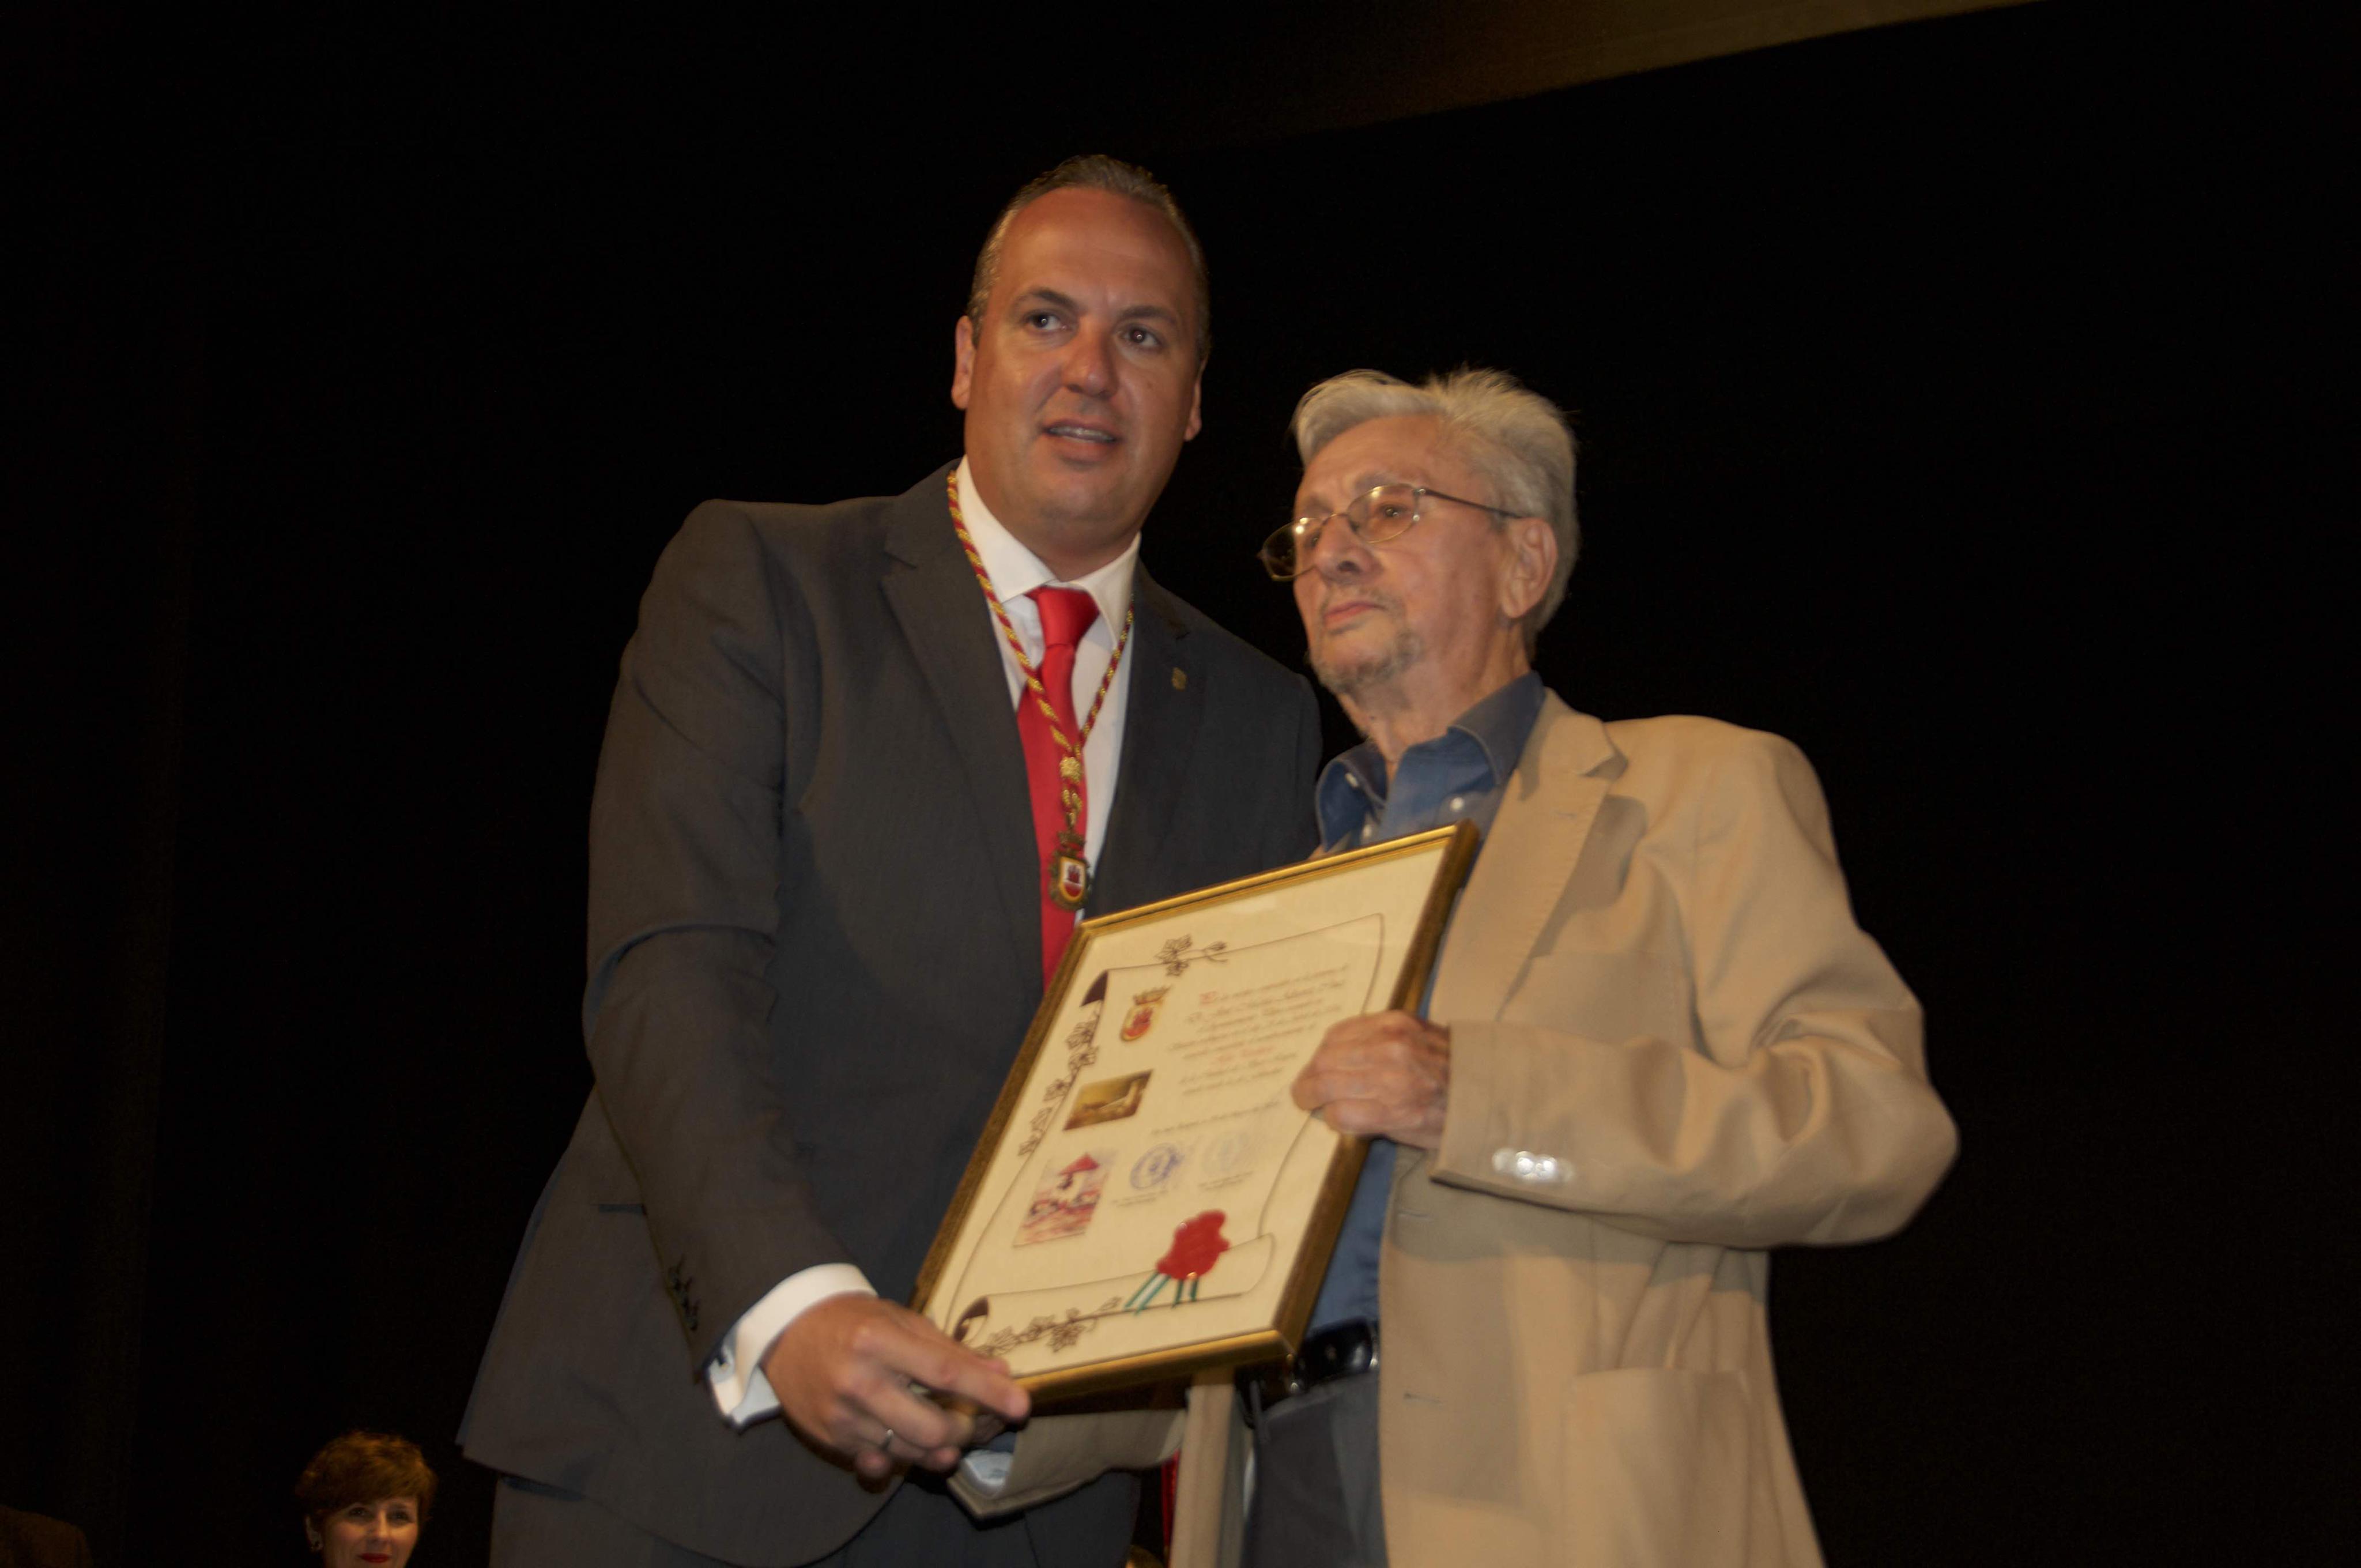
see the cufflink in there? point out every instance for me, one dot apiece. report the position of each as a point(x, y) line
point(1527, 1165)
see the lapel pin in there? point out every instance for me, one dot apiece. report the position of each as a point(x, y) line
point(1180, 679)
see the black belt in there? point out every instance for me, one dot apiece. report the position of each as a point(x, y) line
point(1340, 1350)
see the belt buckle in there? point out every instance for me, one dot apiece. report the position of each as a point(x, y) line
point(1347, 1349)
point(1343, 1350)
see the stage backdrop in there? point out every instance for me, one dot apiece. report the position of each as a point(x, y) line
point(1953, 401)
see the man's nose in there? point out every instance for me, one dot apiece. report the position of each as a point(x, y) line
point(1338, 551)
point(1090, 365)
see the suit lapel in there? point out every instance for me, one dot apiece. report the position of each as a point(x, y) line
point(935, 596)
point(1545, 818)
point(1159, 727)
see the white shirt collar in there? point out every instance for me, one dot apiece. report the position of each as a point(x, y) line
point(1017, 570)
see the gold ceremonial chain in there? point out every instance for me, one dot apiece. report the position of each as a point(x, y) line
point(1069, 882)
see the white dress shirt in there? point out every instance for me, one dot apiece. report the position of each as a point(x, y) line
point(739, 1389)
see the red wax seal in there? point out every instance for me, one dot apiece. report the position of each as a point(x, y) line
point(1195, 1245)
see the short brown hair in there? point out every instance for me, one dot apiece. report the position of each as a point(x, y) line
point(1096, 172)
point(362, 1467)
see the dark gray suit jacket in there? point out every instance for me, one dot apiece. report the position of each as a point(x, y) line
point(814, 949)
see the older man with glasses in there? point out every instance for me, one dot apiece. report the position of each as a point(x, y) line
point(1657, 1046)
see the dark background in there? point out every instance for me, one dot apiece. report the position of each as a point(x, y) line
point(1967, 401)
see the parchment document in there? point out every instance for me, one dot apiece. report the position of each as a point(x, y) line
point(1154, 1159)
point(1150, 1186)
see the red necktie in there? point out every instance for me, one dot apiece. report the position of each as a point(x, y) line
point(1066, 614)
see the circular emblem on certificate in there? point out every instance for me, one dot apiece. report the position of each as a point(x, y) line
point(1230, 1151)
point(1155, 1167)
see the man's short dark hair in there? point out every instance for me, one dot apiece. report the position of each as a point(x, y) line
point(1096, 172)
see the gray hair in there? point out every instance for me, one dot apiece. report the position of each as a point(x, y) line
point(1096, 172)
point(1517, 440)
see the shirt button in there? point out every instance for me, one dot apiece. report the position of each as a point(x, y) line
point(1527, 1165)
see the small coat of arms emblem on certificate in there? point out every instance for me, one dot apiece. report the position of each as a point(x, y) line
point(1142, 1015)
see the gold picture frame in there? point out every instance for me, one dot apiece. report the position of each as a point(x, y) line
point(1162, 1120)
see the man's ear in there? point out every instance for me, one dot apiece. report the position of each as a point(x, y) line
point(1196, 408)
point(963, 362)
point(1532, 561)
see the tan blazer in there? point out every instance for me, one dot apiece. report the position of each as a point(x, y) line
point(1671, 1049)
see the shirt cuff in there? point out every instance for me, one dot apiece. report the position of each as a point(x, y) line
point(739, 1389)
point(987, 1468)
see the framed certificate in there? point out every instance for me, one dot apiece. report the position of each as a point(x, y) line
point(1147, 1202)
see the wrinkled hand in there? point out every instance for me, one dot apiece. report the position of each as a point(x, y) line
point(843, 1372)
point(1380, 1074)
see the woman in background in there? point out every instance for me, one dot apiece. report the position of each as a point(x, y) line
point(365, 1497)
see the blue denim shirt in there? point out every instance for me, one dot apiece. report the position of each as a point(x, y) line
point(1457, 776)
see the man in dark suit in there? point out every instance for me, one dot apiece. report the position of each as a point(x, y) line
point(864, 764)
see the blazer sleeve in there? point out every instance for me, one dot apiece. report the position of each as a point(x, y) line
point(684, 855)
point(1801, 1112)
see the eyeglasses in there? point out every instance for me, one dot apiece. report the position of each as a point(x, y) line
point(1388, 511)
